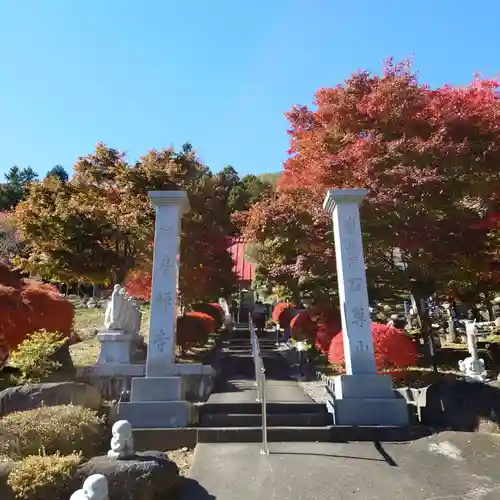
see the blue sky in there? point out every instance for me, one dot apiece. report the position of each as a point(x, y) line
point(218, 73)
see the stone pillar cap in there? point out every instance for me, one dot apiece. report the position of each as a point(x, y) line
point(343, 196)
point(162, 198)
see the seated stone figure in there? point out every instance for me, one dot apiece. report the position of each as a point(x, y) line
point(122, 442)
point(95, 487)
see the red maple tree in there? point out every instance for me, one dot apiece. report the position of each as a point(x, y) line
point(27, 306)
point(429, 158)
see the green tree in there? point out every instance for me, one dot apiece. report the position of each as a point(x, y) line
point(15, 187)
point(60, 172)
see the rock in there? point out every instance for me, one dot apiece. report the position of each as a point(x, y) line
point(30, 396)
point(459, 405)
point(63, 357)
point(150, 475)
point(6, 492)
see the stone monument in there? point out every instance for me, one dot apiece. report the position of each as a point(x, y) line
point(122, 441)
point(95, 487)
point(361, 397)
point(473, 366)
point(120, 340)
point(158, 400)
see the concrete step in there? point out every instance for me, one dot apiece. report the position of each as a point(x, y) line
point(273, 420)
point(256, 408)
point(276, 434)
point(171, 439)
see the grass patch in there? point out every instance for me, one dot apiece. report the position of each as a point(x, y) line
point(88, 320)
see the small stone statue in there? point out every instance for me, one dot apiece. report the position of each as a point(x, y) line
point(95, 487)
point(473, 366)
point(122, 312)
point(122, 442)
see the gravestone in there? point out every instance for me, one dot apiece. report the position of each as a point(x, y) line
point(361, 397)
point(158, 400)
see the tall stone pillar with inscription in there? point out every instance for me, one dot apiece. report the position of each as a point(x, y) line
point(158, 400)
point(361, 397)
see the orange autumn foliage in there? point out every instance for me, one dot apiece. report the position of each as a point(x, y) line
point(28, 305)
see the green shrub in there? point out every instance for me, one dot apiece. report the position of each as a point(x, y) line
point(40, 477)
point(51, 429)
point(33, 355)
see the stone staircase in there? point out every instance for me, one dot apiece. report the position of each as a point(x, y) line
point(233, 422)
point(233, 415)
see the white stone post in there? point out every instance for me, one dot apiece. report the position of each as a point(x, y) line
point(158, 401)
point(170, 206)
point(361, 396)
point(353, 294)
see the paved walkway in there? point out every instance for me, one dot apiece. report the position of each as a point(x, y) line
point(236, 384)
point(449, 466)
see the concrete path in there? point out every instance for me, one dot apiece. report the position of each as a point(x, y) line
point(449, 466)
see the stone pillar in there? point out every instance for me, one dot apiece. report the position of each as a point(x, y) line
point(353, 294)
point(361, 396)
point(170, 206)
point(159, 400)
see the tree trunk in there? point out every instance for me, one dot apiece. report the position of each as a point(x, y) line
point(489, 307)
point(426, 327)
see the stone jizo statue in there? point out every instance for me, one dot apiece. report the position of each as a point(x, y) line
point(473, 366)
point(122, 442)
point(122, 313)
point(95, 487)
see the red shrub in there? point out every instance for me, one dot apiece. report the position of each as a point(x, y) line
point(213, 311)
point(303, 327)
point(218, 307)
point(328, 325)
point(28, 305)
point(283, 313)
point(393, 349)
point(326, 331)
point(208, 321)
point(191, 330)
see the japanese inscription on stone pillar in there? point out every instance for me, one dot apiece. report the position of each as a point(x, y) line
point(358, 344)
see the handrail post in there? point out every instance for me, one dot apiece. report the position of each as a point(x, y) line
point(260, 380)
point(265, 447)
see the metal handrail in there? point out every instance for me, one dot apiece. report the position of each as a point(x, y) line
point(260, 381)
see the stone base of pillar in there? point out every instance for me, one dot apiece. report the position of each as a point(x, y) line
point(161, 402)
point(157, 389)
point(157, 414)
point(367, 400)
point(118, 347)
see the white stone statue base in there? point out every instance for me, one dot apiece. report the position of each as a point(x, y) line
point(117, 347)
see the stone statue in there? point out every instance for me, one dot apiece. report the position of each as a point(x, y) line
point(122, 442)
point(122, 312)
point(473, 366)
point(95, 487)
